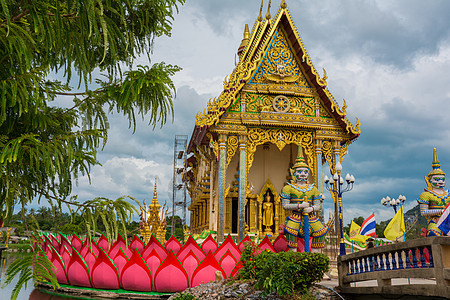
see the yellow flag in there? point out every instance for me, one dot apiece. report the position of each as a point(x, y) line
point(396, 226)
point(354, 233)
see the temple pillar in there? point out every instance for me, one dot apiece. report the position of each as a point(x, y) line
point(222, 178)
point(228, 215)
point(205, 215)
point(276, 218)
point(242, 183)
point(319, 173)
point(252, 219)
point(260, 229)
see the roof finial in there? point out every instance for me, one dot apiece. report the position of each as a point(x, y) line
point(268, 11)
point(260, 11)
point(244, 40)
point(283, 4)
point(154, 191)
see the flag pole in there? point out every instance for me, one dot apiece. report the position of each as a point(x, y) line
point(376, 244)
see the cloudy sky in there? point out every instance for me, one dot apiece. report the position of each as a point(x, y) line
point(388, 59)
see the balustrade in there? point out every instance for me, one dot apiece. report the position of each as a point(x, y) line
point(421, 258)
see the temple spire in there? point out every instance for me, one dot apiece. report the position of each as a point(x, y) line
point(155, 195)
point(244, 40)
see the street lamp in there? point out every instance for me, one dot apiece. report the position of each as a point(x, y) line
point(335, 184)
point(394, 203)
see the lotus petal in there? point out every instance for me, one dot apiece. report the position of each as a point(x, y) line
point(173, 244)
point(153, 261)
point(60, 269)
point(265, 245)
point(76, 242)
point(137, 243)
point(119, 244)
point(191, 245)
point(136, 275)
point(120, 261)
point(228, 244)
point(171, 276)
point(244, 242)
point(153, 243)
point(190, 263)
point(209, 244)
point(206, 271)
point(228, 262)
point(104, 273)
point(280, 244)
point(103, 243)
point(77, 271)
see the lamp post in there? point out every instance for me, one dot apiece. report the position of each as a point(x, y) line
point(335, 184)
point(394, 203)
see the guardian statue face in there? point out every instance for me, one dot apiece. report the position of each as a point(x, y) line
point(438, 181)
point(301, 174)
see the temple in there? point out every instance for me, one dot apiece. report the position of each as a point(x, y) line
point(246, 139)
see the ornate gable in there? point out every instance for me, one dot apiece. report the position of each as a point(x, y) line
point(279, 70)
point(274, 84)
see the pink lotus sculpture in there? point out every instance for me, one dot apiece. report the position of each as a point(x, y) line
point(153, 267)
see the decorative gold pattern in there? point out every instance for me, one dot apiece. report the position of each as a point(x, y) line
point(280, 65)
point(280, 137)
point(281, 103)
point(232, 145)
point(328, 154)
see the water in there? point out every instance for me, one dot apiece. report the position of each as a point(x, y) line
point(28, 293)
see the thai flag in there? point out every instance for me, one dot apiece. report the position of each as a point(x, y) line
point(368, 226)
point(444, 221)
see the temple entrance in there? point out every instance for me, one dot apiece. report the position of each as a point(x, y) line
point(234, 214)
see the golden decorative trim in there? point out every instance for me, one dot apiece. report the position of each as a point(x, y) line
point(232, 146)
point(280, 137)
point(328, 154)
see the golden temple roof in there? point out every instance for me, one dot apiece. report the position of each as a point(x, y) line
point(247, 75)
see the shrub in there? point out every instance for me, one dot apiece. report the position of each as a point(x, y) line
point(284, 273)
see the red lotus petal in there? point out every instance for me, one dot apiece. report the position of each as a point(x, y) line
point(280, 244)
point(228, 262)
point(236, 269)
point(191, 245)
point(171, 276)
point(119, 244)
point(76, 242)
point(137, 243)
point(103, 243)
point(120, 261)
point(77, 271)
point(153, 261)
point(206, 271)
point(173, 244)
point(228, 244)
point(190, 263)
point(136, 275)
point(265, 245)
point(104, 273)
point(60, 270)
point(244, 242)
point(154, 244)
point(209, 244)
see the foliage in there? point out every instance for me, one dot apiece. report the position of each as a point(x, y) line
point(184, 296)
point(49, 131)
point(284, 273)
point(36, 266)
point(178, 232)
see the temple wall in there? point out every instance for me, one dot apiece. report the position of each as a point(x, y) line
point(271, 163)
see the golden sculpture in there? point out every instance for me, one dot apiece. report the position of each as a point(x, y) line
point(268, 214)
point(153, 219)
